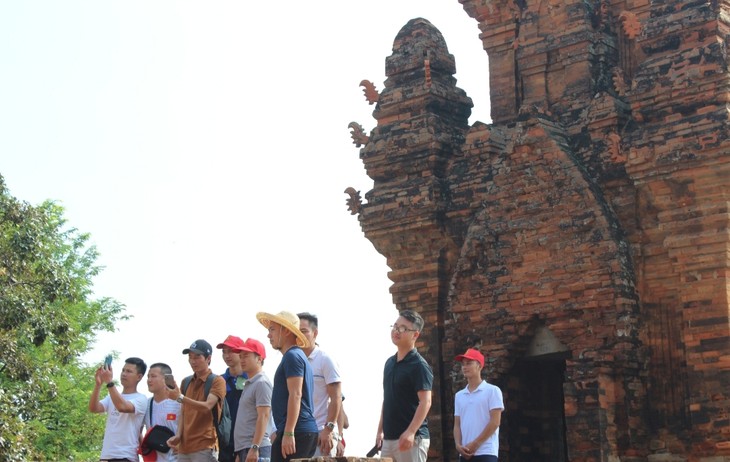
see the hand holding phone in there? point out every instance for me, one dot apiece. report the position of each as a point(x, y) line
point(373, 451)
point(108, 362)
point(170, 381)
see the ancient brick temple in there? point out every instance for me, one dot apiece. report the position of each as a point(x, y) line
point(581, 239)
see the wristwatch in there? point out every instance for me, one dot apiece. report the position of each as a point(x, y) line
point(110, 384)
point(254, 447)
point(330, 425)
point(180, 398)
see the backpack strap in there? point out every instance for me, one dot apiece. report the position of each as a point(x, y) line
point(185, 384)
point(206, 390)
point(209, 384)
point(148, 411)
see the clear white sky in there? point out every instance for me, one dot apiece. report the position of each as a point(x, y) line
point(205, 147)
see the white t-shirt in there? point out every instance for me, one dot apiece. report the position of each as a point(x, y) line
point(164, 413)
point(121, 437)
point(473, 409)
point(325, 371)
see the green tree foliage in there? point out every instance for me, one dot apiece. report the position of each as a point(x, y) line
point(48, 319)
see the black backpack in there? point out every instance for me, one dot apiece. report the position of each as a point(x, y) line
point(222, 426)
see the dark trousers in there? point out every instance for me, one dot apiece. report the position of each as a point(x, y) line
point(306, 444)
point(483, 458)
point(227, 454)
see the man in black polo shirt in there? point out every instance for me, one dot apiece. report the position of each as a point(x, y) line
point(407, 382)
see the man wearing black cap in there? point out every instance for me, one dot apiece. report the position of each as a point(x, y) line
point(196, 439)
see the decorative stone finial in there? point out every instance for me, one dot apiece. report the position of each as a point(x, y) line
point(427, 68)
point(371, 93)
point(354, 203)
point(614, 148)
point(358, 135)
point(631, 24)
point(619, 83)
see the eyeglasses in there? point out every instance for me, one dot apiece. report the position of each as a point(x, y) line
point(402, 329)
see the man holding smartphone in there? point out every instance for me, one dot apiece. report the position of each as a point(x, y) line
point(162, 410)
point(125, 410)
point(196, 439)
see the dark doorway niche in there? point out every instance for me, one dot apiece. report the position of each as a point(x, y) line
point(535, 410)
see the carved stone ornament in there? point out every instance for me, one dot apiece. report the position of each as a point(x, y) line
point(358, 135)
point(354, 203)
point(427, 68)
point(614, 146)
point(619, 83)
point(371, 94)
point(631, 24)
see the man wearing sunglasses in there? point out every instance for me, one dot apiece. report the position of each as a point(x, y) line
point(407, 382)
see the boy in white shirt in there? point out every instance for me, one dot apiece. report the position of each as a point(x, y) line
point(160, 409)
point(477, 413)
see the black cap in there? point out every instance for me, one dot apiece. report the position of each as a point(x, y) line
point(200, 347)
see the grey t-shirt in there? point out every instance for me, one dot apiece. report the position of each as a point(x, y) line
point(256, 393)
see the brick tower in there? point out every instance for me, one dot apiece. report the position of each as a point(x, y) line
point(581, 240)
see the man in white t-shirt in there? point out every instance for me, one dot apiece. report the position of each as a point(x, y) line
point(477, 413)
point(125, 410)
point(160, 409)
point(327, 394)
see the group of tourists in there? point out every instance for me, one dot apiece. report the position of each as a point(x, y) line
point(297, 415)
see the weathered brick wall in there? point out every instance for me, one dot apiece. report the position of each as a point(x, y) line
point(544, 250)
point(678, 160)
point(581, 239)
point(419, 127)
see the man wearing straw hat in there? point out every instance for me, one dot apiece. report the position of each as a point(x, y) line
point(292, 407)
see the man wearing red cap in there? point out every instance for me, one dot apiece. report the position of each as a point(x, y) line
point(477, 412)
point(235, 380)
point(252, 437)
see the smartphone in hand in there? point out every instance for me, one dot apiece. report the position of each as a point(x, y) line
point(373, 451)
point(170, 381)
point(108, 362)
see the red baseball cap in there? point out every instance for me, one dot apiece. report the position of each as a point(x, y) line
point(472, 354)
point(254, 346)
point(232, 342)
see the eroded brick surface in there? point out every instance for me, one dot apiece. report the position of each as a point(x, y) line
point(580, 240)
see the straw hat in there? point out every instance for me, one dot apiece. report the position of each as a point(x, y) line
point(289, 320)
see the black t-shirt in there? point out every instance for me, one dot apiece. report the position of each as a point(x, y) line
point(402, 380)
